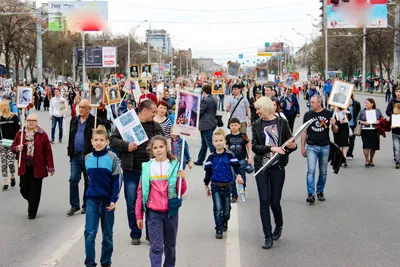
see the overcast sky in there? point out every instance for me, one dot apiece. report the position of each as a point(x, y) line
point(204, 25)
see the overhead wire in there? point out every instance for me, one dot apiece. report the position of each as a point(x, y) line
point(216, 22)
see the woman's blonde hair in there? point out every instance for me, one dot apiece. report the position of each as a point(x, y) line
point(162, 139)
point(100, 130)
point(5, 109)
point(219, 132)
point(265, 104)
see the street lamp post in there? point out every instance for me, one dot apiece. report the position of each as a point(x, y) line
point(283, 37)
point(129, 47)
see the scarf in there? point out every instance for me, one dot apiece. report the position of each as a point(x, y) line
point(30, 144)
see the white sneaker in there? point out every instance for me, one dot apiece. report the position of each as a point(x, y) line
point(349, 158)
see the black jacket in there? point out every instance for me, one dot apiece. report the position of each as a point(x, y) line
point(260, 149)
point(336, 157)
point(88, 134)
point(389, 108)
point(356, 108)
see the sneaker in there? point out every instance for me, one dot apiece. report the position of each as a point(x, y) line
point(198, 163)
point(148, 239)
point(72, 211)
point(321, 196)
point(219, 234)
point(135, 241)
point(52, 141)
point(5, 187)
point(234, 200)
point(277, 233)
point(106, 265)
point(31, 217)
point(350, 158)
point(83, 211)
point(345, 165)
point(268, 243)
point(12, 182)
point(225, 226)
point(310, 199)
point(397, 165)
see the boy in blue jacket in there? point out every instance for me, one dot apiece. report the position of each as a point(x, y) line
point(105, 181)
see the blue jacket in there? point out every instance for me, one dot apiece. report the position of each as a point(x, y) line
point(327, 88)
point(104, 176)
point(218, 167)
point(177, 152)
point(290, 105)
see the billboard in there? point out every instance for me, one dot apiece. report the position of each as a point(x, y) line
point(77, 16)
point(357, 14)
point(98, 57)
point(272, 47)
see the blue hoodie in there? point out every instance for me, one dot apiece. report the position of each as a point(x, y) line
point(104, 175)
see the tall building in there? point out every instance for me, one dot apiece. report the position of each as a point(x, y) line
point(159, 40)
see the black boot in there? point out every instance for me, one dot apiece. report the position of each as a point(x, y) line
point(268, 243)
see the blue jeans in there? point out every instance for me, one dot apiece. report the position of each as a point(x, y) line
point(396, 147)
point(243, 164)
point(221, 196)
point(206, 142)
point(131, 183)
point(314, 154)
point(77, 167)
point(94, 212)
point(54, 121)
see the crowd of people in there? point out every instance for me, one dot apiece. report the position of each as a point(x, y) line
point(150, 174)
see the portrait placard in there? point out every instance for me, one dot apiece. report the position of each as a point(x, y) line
point(233, 69)
point(218, 86)
point(113, 95)
point(395, 120)
point(130, 128)
point(341, 94)
point(288, 80)
point(96, 94)
point(135, 71)
point(187, 114)
point(113, 79)
point(261, 75)
point(146, 71)
point(24, 96)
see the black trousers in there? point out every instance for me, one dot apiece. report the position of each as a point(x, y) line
point(31, 190)
point(352, 140)
point(270, 184)
point(291, 121)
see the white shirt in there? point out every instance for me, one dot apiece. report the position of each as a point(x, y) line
point(54, 109)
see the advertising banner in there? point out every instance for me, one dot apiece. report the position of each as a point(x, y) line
point(274, 47)
point(357, 14)
point(109, 57)
point(77, 16)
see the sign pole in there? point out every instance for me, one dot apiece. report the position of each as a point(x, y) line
point(181, 167)
point(95, 119)
point(22, 136)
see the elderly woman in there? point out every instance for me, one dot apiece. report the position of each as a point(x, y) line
point(36, 161)
point(270, 132)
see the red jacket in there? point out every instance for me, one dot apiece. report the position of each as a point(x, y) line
point(43, 155)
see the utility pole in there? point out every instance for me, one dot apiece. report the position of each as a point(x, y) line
point(39, 47)
point(396, 66)
point(187, 65)
point(325, 25)
point(364, 71)
point(83, 58)
point(74, 64)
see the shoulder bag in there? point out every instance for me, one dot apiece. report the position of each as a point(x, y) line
point(357, 131)
point(234, 109)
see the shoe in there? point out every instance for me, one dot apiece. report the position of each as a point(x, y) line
point(349, 157)
point(52, 141)
point(372, 165)
point(219, 234)
point(106, 265)
point(83, 211)
point(60, 141)
point(12, 182)
point(72, 211)
point(5, 187)
point(135, 241)
point(148, 239)
point(310, 199)
point(268, 243)
point(345, 165)
point(397, 165)
point(225, 226)
point(277, 233)
point(31, 217)
point(366, 165)
point(321, 196)
point(198, 163)
point(234, 200)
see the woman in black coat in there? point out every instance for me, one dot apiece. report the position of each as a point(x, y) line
point(270, 132)
point(38, 99)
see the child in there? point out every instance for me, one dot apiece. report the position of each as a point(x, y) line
point(176, 150)
point(396, 137)
point(157, 197)
point(104, 174)
point(218, 169)
point(172, 115)
point(239, 144)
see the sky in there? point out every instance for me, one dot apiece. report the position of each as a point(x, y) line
point(211, 29)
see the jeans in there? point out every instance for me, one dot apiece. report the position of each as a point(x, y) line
point(270, 185)
point(131, 183)
point(314, 154)
point(221, 205)
point(352, 140)
point(243, 164)
point(77, 167)
point(163, 232)
point(54, 121)
point(221, 102)
point(94, 212)
point(206, 142)
point(396, 147)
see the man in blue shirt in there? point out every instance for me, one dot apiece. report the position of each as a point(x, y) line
point(327, 90)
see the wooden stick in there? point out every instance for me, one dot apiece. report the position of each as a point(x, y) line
point(181, 167)
point(22, 136)
point(95, 119)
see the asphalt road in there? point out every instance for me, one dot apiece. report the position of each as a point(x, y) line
point(356, 226)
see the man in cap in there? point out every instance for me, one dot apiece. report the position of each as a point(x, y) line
point(145, 94)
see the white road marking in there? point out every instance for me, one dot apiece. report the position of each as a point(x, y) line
point(57, 256)
point(232, 239)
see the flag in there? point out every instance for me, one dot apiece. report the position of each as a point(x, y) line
point(295, 90)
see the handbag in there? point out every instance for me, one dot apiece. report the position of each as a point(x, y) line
point(357, 131)
point(234, 109)
point(5, 142)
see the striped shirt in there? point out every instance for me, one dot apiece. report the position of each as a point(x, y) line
point(166, 126)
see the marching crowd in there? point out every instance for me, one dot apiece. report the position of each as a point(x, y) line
point(152, 178)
